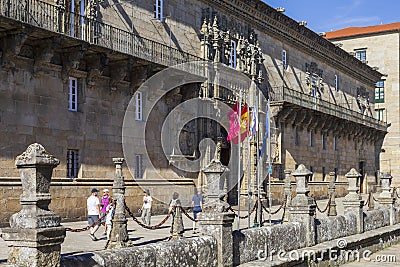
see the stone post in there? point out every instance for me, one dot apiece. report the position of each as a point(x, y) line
point(332, 192)
point(119, 233)
point(215, 220)
point(287, 187)
point(303, 206)
point(386, 198)
point(352, 202)
point(35, 234)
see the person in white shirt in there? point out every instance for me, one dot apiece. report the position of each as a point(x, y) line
point(146, 207)
point(93, 208)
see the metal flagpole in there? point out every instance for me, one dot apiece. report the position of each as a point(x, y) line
point(269, 161)
point(238, 184)
point(259, 208)
point(248, 167)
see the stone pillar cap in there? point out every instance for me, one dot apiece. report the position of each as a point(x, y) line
point(386, 175)
point(35, 154)
point(301, 170)
point(353, 173)
point(215, 167)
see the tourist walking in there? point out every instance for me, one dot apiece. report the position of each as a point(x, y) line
point(93, 209)
point(146, 207)
point(197, 204)
point(104, 201)
point(175, 206)
point(109, 217)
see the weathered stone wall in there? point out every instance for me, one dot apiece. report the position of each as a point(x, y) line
point(334, 227)
point(197, 251)
point(247, 243)
point(69, 197)
point(375, 219)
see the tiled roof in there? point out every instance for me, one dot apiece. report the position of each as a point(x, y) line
point(352, 31)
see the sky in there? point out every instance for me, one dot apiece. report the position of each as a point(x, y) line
point(328, 15)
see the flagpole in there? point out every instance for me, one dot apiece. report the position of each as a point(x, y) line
point(248, 166)
point(269, 162)
point(238, 182)
point(259, 207)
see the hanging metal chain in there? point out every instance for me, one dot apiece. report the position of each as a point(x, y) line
point(274, 212)
point(395, 192)
point(153, 227)
point(187, 215)
point(327, 205)
point(246, 216)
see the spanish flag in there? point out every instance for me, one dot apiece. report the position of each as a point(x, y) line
point(235, 128)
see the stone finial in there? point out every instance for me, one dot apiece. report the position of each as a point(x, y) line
point(386, 182)
point(302, 175)
point(35, 235)
point(35, 154)
point(353, 177)
point(215, 187)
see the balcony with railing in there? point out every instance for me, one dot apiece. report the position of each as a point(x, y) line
point(56, 19)
point(294, 97)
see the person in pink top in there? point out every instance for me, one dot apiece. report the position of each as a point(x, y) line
point(104, 201)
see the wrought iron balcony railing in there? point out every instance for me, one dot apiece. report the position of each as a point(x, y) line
point(54, 18)
point(303, 100)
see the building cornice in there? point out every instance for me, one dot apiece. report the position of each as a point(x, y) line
point(267, 19)
point(362, 35)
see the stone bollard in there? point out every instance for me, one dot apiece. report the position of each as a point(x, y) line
point(215, 220)
point(352, 202)
point(35, 235)
point(303, 206)
point(288, 195)
point(386, 198)
point(119, 233)
point(332, 191)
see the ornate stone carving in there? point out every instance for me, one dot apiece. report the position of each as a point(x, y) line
point(71, 60)
point(11, 47)
point(43, 53)
point(118, 72)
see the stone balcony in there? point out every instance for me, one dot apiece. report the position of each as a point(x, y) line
point(298, 101)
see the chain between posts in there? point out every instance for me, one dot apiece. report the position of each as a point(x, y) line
point(153, 227)
point(327, 205)
point(187, 215)
point(246, 216)
point(395, 191)
point(274, 212)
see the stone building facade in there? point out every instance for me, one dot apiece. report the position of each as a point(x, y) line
point(379, 46)
point(69, 70)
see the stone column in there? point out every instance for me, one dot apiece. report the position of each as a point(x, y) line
point(352, 202)
point(119, 233)
point(303, 206)
point(215, 220)
point(332, 192)
point(386, 198)
point(287, 187)
point(35, 234)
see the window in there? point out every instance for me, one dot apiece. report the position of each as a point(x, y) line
point(284, 60)
point(138, 166)
point(335, 143)
point(323, 141)
point(139, 106)
point(72, 163)
point(323, 173)
point(380, 92)
point(73, 94)
point(232, 55)
point(337, 83)
point(379, 114)
point(159, 10)
point(311, 138)
point(361, 55)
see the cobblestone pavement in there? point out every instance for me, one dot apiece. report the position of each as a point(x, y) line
point(76, 243)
